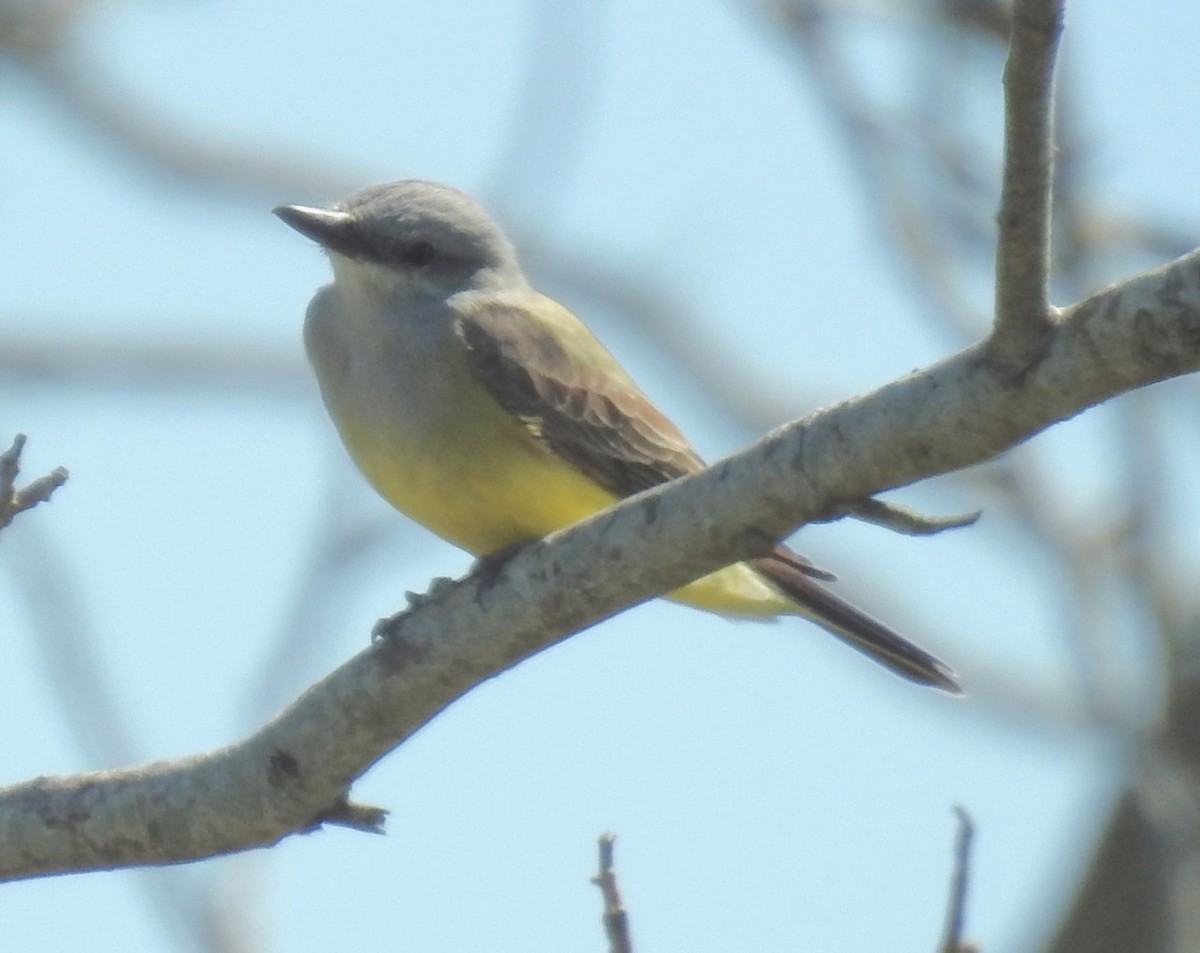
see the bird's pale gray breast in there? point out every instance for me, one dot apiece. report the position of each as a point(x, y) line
point(384, 371)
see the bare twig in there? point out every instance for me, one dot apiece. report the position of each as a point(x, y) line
point(14, 501)
point(902, 519)
point(956, 912)
point(616, 917)
point(1023, 314)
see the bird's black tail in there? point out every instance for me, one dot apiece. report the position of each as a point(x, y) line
point(793, 575)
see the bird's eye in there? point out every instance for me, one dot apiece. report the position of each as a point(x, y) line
point(418, 253)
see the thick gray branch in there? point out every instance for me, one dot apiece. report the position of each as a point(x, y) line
point(293, 773)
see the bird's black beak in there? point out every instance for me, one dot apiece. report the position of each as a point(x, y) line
point(330, 229)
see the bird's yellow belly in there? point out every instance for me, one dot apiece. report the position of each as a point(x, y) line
point(481, 495)
point(485, 495)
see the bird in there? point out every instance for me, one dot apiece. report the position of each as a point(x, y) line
point(492, 415)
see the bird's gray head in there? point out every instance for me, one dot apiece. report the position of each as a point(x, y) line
point(427, 237)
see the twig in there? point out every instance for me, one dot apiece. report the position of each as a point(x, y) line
point(952, 941)
point(616, 917)
point(14, 501)
point(1023, 313)
point(901, 519)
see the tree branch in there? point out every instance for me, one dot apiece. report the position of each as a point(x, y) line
point(295, 771)
point(1023, 314)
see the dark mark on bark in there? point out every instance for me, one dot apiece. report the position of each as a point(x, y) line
point(282, 769)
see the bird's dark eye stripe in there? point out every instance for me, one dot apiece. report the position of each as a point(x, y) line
point(418, 253)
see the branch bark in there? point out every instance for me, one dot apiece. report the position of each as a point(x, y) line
point(293, 774)
point(1023, 313)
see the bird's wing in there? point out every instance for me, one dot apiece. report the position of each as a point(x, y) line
point(542, 366)
point(545, 368)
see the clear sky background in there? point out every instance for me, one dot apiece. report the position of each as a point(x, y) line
point(769, 789)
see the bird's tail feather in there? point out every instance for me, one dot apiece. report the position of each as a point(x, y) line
point(792, 575)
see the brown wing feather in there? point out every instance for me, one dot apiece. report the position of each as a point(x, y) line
point(594, 417)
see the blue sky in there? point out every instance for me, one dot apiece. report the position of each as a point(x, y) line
point(768, 788)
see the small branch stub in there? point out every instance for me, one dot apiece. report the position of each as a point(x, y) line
point(901, 519)
point(14, 501)
point(616, 918)
point(356, 817)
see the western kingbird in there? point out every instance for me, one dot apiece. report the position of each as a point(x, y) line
point(489, 413)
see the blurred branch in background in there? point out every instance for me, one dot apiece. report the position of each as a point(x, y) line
point(933, 189)
point(41, 38)
point(548, 128)
point(168, 365)
point(922, 177)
